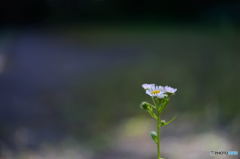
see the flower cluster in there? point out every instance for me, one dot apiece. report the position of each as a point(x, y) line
point(158, 91)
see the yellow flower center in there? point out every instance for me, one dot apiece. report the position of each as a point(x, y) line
point(155, 92)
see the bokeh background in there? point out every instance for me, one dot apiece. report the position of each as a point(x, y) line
point(71, 75)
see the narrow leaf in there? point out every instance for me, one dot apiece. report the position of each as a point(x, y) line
point(166, 123)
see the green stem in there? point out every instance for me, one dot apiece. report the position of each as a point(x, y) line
point(158, 131)
point(158, 137)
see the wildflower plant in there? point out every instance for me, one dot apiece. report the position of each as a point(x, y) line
point(160, 97)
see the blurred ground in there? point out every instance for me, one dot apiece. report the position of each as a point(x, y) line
point(130, 140)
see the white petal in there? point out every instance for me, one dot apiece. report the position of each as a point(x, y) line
point(148, 92)
point(148, 86)
point(170, 89)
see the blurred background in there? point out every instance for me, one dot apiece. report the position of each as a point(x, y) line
point(71, 75)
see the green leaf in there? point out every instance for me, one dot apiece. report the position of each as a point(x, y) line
point(149, 108)
point(164, 123)
point(158, 101)
point(153, 134)
point(163, 104)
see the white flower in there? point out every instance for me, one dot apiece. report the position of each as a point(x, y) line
point(170, 90)
point(148, 86)
point(156, 91)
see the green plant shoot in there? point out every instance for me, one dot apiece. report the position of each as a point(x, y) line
point(160, 97)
